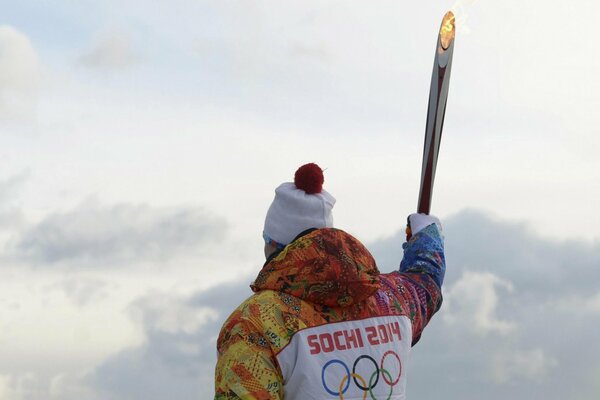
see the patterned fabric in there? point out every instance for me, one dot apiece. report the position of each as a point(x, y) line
point(322, 277)
point(327, 267)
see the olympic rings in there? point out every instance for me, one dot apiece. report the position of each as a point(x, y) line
point(345, 378)
point(383, 372)
point(373, 380)
point(376, 371)
point(343, 364)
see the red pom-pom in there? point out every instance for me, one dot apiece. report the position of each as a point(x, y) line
point(309, 178)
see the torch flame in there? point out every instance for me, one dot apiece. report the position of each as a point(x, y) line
point(448, 30)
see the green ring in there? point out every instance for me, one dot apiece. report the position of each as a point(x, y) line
point(385, 371)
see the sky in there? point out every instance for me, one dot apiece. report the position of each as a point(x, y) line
point(141, 143)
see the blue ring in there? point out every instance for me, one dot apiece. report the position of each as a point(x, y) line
point(347, 373)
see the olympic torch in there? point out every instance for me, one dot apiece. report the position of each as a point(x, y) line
point(438, 95)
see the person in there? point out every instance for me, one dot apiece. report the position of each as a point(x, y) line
point(323, 322)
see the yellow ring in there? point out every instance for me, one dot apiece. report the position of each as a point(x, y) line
point(360, 378)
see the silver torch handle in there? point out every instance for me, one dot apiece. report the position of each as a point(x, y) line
point(438, 95)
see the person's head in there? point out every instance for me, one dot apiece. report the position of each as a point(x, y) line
point(298, 206)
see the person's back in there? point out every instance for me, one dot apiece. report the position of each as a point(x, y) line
point(324, 323)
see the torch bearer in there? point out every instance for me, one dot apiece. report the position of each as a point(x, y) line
point(438, 94)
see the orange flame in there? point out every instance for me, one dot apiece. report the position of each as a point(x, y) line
point(448, 30)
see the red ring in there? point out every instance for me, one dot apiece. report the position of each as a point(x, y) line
point(399, 363)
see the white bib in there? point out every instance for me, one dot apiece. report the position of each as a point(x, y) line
point(360, 359)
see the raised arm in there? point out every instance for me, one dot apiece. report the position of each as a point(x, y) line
point(422, 269)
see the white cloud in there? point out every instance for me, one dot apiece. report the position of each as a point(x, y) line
point(32, 386)
point(473, 301)
point(10, 215)
point(170, 315)
point(582, 306)
point(19, 65)
point(65, 386)
point(112, 51)
point(178, 356)
point(23, 386)
point(92, 234)
point(84, 290)
point(591, 305)
point(20, 76)
point(533, 365)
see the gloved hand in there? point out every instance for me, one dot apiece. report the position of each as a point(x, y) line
point(416, 222)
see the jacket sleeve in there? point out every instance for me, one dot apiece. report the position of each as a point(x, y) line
point(246, 367)
point(422, 271)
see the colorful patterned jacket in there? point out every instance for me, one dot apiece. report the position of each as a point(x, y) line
point(325, 324)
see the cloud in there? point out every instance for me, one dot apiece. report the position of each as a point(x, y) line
point(83, 291)
point(171, 315)
point(113, 51)
point(175, 360)
point(582, 306)
point(472, 302)
point(20, 76)
point(514, 252)
point(309, 62)
point(19, 65)
point(124, 233)
point(11, 216)
point(32, 386)
point(17, 387)
point(531, 365)
point(71, 386)
point(178, 356)
point(9, 186)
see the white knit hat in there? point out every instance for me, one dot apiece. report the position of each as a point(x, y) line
point(298, 206)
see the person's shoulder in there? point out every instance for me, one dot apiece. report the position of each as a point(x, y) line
point(259, 302)
point(253, 309)
point(262, 315)
point(244, 319)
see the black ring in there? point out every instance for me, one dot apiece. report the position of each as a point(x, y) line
point(376, 369)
